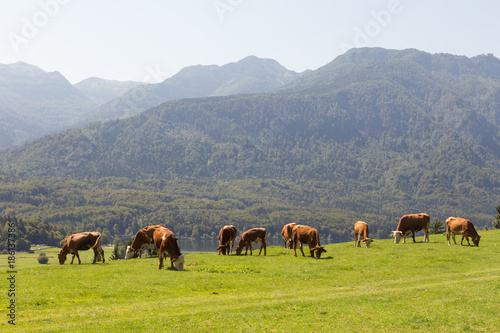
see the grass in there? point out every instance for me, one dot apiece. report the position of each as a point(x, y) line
point(430, 287)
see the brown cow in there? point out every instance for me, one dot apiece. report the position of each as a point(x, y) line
point(143, 238)
point(457, 225)
point(255, 235)
point(412, 223)
point(166, 244)
point(287, 234)
point(81, 242)
point(309, 236)
point(361, 230)
point(227, 236)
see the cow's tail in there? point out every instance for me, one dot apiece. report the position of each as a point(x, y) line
point(97, 242)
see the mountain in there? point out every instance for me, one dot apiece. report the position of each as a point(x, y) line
point(34, 103)
point(102, 91)
point(375, 134)
point(247, 76)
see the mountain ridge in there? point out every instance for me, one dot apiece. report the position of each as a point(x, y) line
point(246, 76)
point(379, 139)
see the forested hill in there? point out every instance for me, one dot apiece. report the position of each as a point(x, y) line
point(387, 132)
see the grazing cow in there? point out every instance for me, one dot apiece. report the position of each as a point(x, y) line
point(143, 238)
point(412, 223)
point(457, 225)
point(309, 236)
point(81, 242)
point(287, 234)
point(361, 230)
point(227, 236)
point(255, 235)
point(166, 245)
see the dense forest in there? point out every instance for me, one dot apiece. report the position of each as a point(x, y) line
point(371, 136)
point(26, 233)
point(118, 207)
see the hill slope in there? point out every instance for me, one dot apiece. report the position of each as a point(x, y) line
point(376, 131)
point(34, 103)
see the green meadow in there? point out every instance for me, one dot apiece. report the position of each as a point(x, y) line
point(425, 287)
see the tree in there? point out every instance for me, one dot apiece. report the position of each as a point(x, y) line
point(496, 222)
point(437, 227)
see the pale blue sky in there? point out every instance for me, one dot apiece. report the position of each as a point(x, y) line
point(151, 40)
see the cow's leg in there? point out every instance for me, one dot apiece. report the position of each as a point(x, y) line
point(72, 258)
point(265, 247)
point(413, 236)
point(453, 236)
point(78, 256)
point(95, 255)
point(426, 236)
point(355, 239)
point(251, 249)
point(262, 245)
point(160, 260)
point(301, 250)
point(467, 238)
point(462, 240)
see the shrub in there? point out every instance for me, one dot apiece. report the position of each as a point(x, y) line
point(42, 258)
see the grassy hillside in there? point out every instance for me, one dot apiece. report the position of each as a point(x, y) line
point(389, 287)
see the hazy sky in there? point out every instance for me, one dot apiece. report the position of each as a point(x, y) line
point(151, 40)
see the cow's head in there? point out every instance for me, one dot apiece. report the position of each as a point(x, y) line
point(240, 246)
point(223, 249)
point(397, 236)
point(319, 249)
point(62, 258)
point(476, 240)
point(129, 253)
point(367, 242)
point(179, 262)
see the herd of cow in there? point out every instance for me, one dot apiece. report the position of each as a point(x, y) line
point(293, 235)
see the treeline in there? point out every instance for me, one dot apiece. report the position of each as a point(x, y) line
point(118, 207)
point(26, 232)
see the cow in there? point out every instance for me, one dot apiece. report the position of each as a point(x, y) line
point(361, 230)
point(412, 223)
point(166, 245)
point(255, 235)
point(227, 236)
point(457, 225)
point(307, 235)
point(287, 234)
point(81, 242)
point(143, 238)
